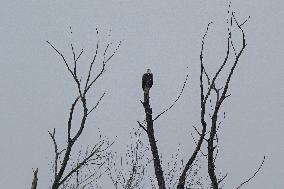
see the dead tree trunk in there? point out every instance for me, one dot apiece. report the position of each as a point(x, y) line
point(35, 179)
point(152, 141)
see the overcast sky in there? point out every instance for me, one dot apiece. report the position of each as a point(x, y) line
point(36, 90)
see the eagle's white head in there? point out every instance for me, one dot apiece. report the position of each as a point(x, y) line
point(148, 70)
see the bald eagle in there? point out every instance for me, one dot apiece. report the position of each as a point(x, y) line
point(147, 81)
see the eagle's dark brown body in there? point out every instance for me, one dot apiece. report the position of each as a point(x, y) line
point(147, 81)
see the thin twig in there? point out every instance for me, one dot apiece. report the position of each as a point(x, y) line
point(182, 89)
point(140, 125)
point(63, 58)
point(97, 104)
point(92, 62)
point(246, 181)
point(52, 135)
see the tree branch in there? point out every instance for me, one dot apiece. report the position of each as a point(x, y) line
point(255, 173)
point(52, 135)
point(97, 104)
point(182, 89)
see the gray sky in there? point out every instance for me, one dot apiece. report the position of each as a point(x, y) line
point(36, 90)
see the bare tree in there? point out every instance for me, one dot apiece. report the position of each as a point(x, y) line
point(95, 155)
point(220, 94)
